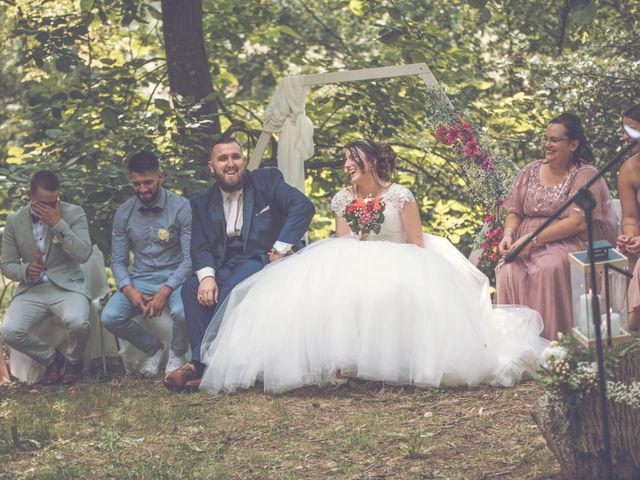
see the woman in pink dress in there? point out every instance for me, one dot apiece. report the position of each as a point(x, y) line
point(539, 278)
point(629, 191)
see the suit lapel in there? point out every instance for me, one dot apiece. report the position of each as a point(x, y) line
point(217, 215)
point(26, 231)
point(249, 198)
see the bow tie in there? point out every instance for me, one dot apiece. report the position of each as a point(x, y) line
point(155, 209)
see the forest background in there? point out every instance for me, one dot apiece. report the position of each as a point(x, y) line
point(86, 83)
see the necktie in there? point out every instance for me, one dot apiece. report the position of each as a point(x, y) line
point(233, 199)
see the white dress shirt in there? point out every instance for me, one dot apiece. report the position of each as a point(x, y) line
point(39, 230)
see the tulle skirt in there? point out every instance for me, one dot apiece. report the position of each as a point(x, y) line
point(376, 310)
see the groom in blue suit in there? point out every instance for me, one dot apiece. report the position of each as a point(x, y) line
point(244, 221)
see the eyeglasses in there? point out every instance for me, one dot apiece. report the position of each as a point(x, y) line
point(552, 140)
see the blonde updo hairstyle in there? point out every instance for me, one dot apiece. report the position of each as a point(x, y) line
point(380, 157)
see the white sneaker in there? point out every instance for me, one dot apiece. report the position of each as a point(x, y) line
point(174, 362)
point(151, 365)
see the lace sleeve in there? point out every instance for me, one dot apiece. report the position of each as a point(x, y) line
point(339, 201)
point(399, 195)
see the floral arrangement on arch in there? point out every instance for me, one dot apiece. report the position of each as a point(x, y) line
point(485, 172)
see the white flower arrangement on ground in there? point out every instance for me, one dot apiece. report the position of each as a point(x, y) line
point(570, 374)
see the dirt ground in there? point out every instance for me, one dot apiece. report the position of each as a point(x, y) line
point(133, 428)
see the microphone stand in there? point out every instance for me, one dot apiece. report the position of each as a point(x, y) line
point(585, 200)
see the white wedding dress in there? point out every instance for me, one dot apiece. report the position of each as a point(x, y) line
point(380, 309)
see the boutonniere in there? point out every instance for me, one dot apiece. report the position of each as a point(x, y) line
point(164, 235)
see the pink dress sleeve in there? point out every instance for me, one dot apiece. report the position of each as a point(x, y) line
point(514, 202)
point(604, 217)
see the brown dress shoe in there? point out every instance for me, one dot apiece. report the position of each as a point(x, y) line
point(192, 386)
point(72, 374)
point(177, 379)
point(53, 376)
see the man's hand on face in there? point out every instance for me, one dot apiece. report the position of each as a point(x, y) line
point(49, 214)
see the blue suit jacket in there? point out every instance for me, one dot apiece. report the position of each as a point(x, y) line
point(272, 210)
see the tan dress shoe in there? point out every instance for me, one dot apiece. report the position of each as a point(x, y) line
point(177, 379)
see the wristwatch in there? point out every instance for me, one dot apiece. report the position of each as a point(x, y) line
point(281, 251)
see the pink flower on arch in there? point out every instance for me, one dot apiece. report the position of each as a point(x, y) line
point(453, 135)
point(487, 163)
point(472, 149)
point(441, 134)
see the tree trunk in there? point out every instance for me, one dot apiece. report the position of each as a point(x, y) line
point(187, 63)
point(580, 450)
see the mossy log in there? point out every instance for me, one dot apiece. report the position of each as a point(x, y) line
point(580, 449)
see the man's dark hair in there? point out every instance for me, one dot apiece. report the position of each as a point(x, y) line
point(224, 140)
point(144, 161)
point(46, 180)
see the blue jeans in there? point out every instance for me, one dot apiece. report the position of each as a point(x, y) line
point(117, 315)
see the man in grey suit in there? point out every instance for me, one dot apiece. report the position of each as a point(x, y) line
point(43, 245)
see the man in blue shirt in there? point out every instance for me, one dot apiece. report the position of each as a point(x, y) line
point(155, 225)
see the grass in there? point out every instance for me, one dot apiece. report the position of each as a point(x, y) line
point(131, 428)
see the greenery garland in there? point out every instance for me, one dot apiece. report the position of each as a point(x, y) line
point(487, 173)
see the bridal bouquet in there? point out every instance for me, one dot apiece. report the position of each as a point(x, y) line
point(365, 215)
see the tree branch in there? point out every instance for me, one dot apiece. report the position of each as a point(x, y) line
point(563, 26)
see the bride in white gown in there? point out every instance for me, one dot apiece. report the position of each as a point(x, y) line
point(403, 307)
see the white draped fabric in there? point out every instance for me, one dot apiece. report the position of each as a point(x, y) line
point(286, 114)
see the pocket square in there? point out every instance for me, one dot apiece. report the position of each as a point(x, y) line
point(264, 210)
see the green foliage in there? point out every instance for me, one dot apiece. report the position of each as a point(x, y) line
point(84, 84)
